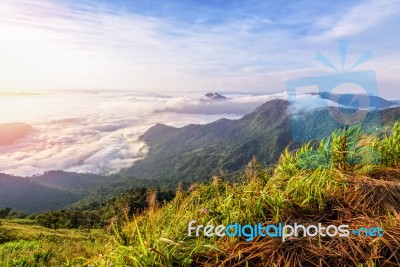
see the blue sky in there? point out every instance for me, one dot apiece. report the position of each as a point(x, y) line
point(178, 46)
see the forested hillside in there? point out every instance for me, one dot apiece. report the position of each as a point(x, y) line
point(197, 152)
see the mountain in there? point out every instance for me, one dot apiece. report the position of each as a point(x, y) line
point(359, 101)
point(187, 154)
point(194, 152)
point(72, 181)
point(27, 196)
point(197, 152)
point(215, 96)
point(10, 132)
point(58, 189)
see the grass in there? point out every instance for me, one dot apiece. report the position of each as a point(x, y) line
point(336, 182)
point(26, 244)
point(348, 178)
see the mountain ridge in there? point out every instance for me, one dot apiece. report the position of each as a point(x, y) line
point(27, 196)
point(197, 152)
point(190, 154)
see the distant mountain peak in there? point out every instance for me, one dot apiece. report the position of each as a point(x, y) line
point(215, 96)
point(158, 131)
point(160, 126)
point(364, 101)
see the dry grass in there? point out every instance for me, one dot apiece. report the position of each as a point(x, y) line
point(371, 196)
point(307, 251)
point(365, 202)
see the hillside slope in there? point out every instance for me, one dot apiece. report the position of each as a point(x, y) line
point(196, 152)
point(72, 181)
point(27, 196)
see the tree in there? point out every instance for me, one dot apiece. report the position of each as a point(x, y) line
point(4, 212)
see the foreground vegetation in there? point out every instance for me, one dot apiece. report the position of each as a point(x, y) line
point(23, 243)
point(350, 178)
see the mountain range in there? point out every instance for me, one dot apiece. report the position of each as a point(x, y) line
point(28, 196)
point(215, 96)
point(359, 101)
point(189, 154)
point(197, 152)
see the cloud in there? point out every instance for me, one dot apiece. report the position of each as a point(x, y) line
point(238, 105)
point(370, 13)
point(172, 47)
point(308, 103)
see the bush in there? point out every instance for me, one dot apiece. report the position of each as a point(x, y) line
point(6, 236)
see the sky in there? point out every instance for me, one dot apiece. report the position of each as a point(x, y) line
point(179, 46)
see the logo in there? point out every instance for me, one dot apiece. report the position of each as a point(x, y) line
point(346, 98)
point(249, 232)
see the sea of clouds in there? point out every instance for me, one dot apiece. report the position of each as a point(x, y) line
point(99, 132)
